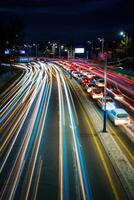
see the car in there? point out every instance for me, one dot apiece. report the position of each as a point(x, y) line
point(82, 71)
point(84, 81)
point(70, 69)
point(110, 104)
point(119, 116)
point(100, 82)
point(96, 93)
point(115, 94)
point(92, 68)
point(90, 75)
point(94, 79)
point(85, 72)
point(75, 74)
point(88, 87)
point(79, 78)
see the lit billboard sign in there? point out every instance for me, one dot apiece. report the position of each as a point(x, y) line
point(7, 51)
point(22, 51)
point(79, 50)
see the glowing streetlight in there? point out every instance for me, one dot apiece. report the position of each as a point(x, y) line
point(36, 46)
point(121, 33)
point(125, 36)
point(91, 45)
point(102, 42)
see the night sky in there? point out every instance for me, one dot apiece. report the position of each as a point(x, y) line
point(77, 20)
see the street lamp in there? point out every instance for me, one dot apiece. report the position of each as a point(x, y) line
point(91, 43)
point(54, 46)
point(61, 47)
point(36, 46)
point(102, 42)
point(104, 55)
point(121, 33)
point(125, 35)
point(27, 46)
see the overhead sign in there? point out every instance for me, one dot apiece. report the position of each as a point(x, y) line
point(79, 50)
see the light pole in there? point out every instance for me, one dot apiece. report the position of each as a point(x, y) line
point(102, 44)
point(29, 50)
point(105, 86)
point(25, 45)
point(125, 35)
point(36, 47)
point(91, 44)
point(53, 48)
point(59, 50)
point(87, 55)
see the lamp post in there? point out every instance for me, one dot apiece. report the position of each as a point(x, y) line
point(59, 50)
point(91, 43)
point(53, 48)
point(105, 86)
point(125, 35)
point(27, 46)
point(36, 47)
point(102, 44)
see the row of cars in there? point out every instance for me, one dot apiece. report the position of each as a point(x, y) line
point(94, 86)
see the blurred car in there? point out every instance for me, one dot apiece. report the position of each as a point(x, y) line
point(115, 94)
point(82, 71)
point(79, 78)
point(96, 93)
point(100, 82)
point(84, 81)
point(85, 72)
point(94, 79)
point(110, 104)
point(119, 116)
point(88, 87)
point(75, 74)
point(90, 75)
point(92, 68)
point(69, 69)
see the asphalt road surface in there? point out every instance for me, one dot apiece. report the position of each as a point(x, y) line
point(50, 149)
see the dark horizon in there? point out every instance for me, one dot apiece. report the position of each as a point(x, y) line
point(76, 21)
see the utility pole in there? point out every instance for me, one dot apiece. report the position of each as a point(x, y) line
point(105, 85)
point(59, 50)
point(105, 95)
point(36, 49)
point(53, 49)
point(87, 55)
point(27, 47)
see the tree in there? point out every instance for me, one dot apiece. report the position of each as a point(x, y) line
point(11, 35)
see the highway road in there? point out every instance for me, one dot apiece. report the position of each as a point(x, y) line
point(50, 148)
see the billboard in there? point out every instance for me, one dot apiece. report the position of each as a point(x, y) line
point(7, 51)
point(22, 51)
point(79, 50)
